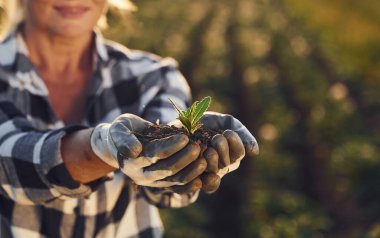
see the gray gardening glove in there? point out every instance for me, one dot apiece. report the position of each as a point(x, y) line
point(159, 163)
point(227, 149)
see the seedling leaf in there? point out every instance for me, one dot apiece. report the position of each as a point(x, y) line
point(200, 109)
point(195, 127)
point(186, 122)
point(190, 117)
point(176, 107)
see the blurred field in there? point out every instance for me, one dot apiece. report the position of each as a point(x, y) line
point(304, 76)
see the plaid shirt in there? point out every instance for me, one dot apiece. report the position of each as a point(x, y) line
point(38, 198)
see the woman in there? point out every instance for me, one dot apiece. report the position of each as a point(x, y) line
point(70, 104)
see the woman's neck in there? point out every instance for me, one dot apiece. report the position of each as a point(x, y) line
point(55, 55)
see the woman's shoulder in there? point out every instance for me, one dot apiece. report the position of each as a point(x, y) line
point(119, 51)
point(138, 60)
point(8, 50)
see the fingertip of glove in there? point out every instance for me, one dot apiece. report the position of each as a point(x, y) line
point(227, 133)
point(136, 150)
point(202, 164)
point(197, 183)
point(252, 148)
point(219, 140)
point(182, 138)
point(210, 182)
point(211, 154)
point(132, 149)
point(195, 149)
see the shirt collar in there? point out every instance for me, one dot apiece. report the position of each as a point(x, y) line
point(14, 43)
point(26, 71)
point(100, 46)
point(100, 49)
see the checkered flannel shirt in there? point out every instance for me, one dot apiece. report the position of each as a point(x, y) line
point(38, 198)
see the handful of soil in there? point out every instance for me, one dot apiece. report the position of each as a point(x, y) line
point(202, 136)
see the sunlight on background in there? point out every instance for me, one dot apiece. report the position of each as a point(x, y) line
point(268, 132)
point(122, 4)
point(304, 77)
point(338, 91)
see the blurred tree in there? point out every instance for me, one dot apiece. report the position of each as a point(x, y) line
point(304, 76)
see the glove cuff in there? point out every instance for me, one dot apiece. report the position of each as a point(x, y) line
point(102, 146)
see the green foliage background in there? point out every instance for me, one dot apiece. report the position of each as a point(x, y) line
point(304, 76)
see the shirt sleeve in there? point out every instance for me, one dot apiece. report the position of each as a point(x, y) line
point(166, 82)
point(31, 165)
point(173, 85)
point(163, 198)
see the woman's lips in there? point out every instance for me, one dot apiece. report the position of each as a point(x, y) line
point(71, 11)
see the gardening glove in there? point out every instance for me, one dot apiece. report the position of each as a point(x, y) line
point(158, 163)
point(227, 149)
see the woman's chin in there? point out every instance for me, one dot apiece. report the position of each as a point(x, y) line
point(71, 31)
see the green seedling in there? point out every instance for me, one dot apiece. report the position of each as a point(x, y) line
point(190, 117)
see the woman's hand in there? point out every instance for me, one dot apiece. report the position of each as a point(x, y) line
point(227, 149)
point(158, 163)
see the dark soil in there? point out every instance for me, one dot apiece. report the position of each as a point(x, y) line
point(201, 136)
point(210, 181)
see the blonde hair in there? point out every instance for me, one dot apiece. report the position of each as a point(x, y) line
point(13, 14)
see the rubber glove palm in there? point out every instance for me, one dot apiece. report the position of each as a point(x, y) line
point(227, 149)
point(159, 163)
